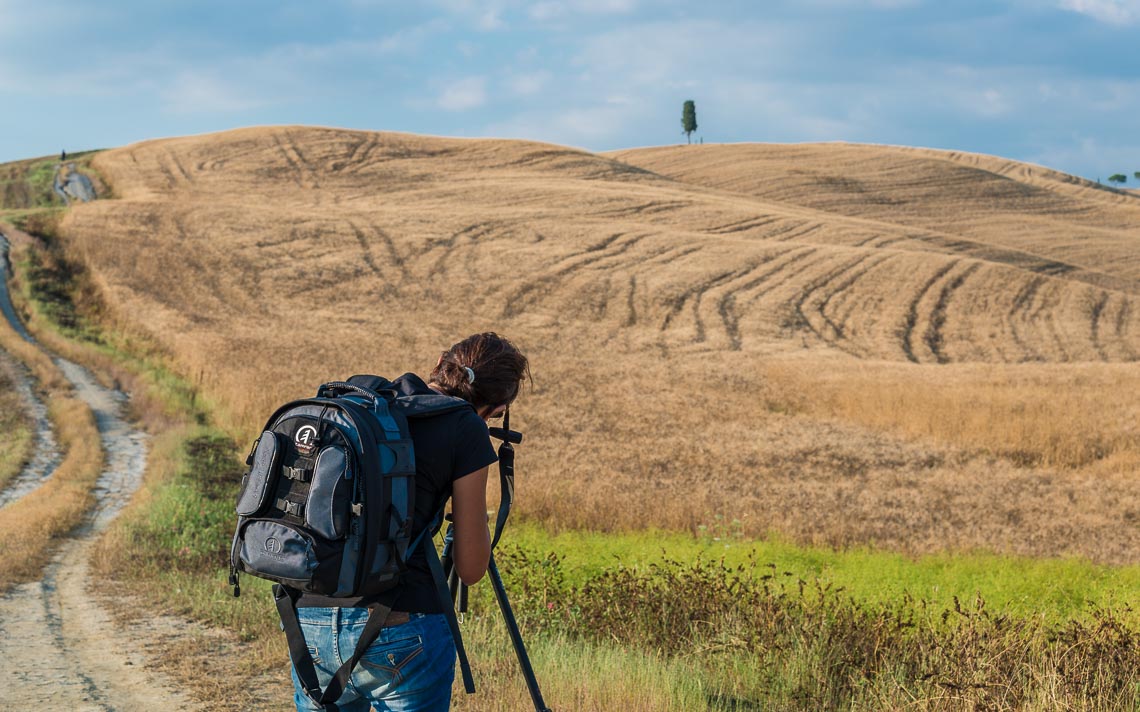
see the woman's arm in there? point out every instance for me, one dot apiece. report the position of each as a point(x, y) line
point(469, 512)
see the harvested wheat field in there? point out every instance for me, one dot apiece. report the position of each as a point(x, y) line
point(844, 344)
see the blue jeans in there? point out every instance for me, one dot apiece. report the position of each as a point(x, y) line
point(408, 668)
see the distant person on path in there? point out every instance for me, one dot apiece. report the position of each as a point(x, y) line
point(411, 665)
point(63, 155)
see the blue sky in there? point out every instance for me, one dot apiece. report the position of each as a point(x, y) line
point(1055, 82)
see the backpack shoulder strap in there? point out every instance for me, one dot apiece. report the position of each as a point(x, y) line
point(286, 599)
point(415, 406)
point(439, 578)
point(372, 383)
point(426, 406)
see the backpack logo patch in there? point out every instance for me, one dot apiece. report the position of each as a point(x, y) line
point(273, 547)
point(306, 439)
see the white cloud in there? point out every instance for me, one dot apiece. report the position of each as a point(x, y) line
point(543, 11)
point(484, 15)
point(602, 7)
point(665, 53)
point(556, 9)
point(864, 4)
point(490, 20)
point(195, 93)
point(409, 39)
point(20, 18)
point(464, 94)
point(1113, 12)
point(528, 84)
point(1099, 159)
point(589, 126)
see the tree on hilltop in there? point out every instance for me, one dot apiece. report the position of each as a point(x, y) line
point(1136, 175)
point(689, 119)
point(1118, 178)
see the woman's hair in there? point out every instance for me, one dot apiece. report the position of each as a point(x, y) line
point(483, 369)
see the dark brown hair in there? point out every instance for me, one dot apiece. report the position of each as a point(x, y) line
point(498, 365)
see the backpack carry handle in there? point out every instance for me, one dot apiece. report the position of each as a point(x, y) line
point(338, 388)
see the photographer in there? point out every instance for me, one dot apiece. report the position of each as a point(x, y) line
point(411, 664)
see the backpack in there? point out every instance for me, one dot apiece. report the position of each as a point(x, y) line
point(327, 508)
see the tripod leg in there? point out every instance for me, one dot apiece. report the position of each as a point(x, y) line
point(516, 636)
point(457, 588)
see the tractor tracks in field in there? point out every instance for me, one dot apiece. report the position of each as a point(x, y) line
point(59, 647)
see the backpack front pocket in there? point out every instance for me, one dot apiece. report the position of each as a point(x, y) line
point(330, 495)
point(259, 484)
point(279, 552)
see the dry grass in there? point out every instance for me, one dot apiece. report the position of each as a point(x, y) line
point(14, 424)
point(1092, 424)
point(30, 525)
point(846, 344)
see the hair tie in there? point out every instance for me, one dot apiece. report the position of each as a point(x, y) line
point(470, 374)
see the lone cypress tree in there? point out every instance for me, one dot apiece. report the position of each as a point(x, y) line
point(689, 119)
point(1118, 178)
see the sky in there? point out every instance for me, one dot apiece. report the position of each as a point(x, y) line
point(1053, 82)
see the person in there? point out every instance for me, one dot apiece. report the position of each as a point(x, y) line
point(411, 665)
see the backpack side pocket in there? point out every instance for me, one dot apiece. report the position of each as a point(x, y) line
point(330, 495)
point(259, 484)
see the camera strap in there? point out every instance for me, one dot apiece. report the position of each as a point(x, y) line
point(506, 478)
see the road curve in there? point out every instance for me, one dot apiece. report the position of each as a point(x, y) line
point(45, 455)
point(59, 649)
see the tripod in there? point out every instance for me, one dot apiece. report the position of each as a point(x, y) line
point(459, 589)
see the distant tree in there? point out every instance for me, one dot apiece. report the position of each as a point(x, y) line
point(1136, 175)
point(689, 120)
point(1118, 178)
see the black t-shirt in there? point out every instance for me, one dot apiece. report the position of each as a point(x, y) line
point(447, 447)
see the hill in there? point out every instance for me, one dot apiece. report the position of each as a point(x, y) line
point(842, 343)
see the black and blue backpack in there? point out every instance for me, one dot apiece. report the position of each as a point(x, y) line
point(327, 508)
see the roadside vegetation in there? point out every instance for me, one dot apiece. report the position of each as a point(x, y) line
point(26, 186)
point(17, 429)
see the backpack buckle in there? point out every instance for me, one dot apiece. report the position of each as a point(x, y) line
point(300, 474)
point(294, 508)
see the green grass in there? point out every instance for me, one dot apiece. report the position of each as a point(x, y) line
point(17, 429)
point(1055, 589)
point(26, 186)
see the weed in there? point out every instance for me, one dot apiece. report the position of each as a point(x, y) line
point(712, 614)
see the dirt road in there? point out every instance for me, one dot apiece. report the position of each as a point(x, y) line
point(59, 648)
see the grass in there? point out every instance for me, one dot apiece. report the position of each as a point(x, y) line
point(624, 610)
point(17, 429)
point(784, 353)
point(30, 525)
point(1055, 590)
point(815, 629)
point(1022, 416)
point(694, 354)
point(26, 186)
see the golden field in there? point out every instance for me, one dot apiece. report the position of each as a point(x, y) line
point(843, 344)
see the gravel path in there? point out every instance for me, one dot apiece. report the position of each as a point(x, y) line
point(59, 648)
